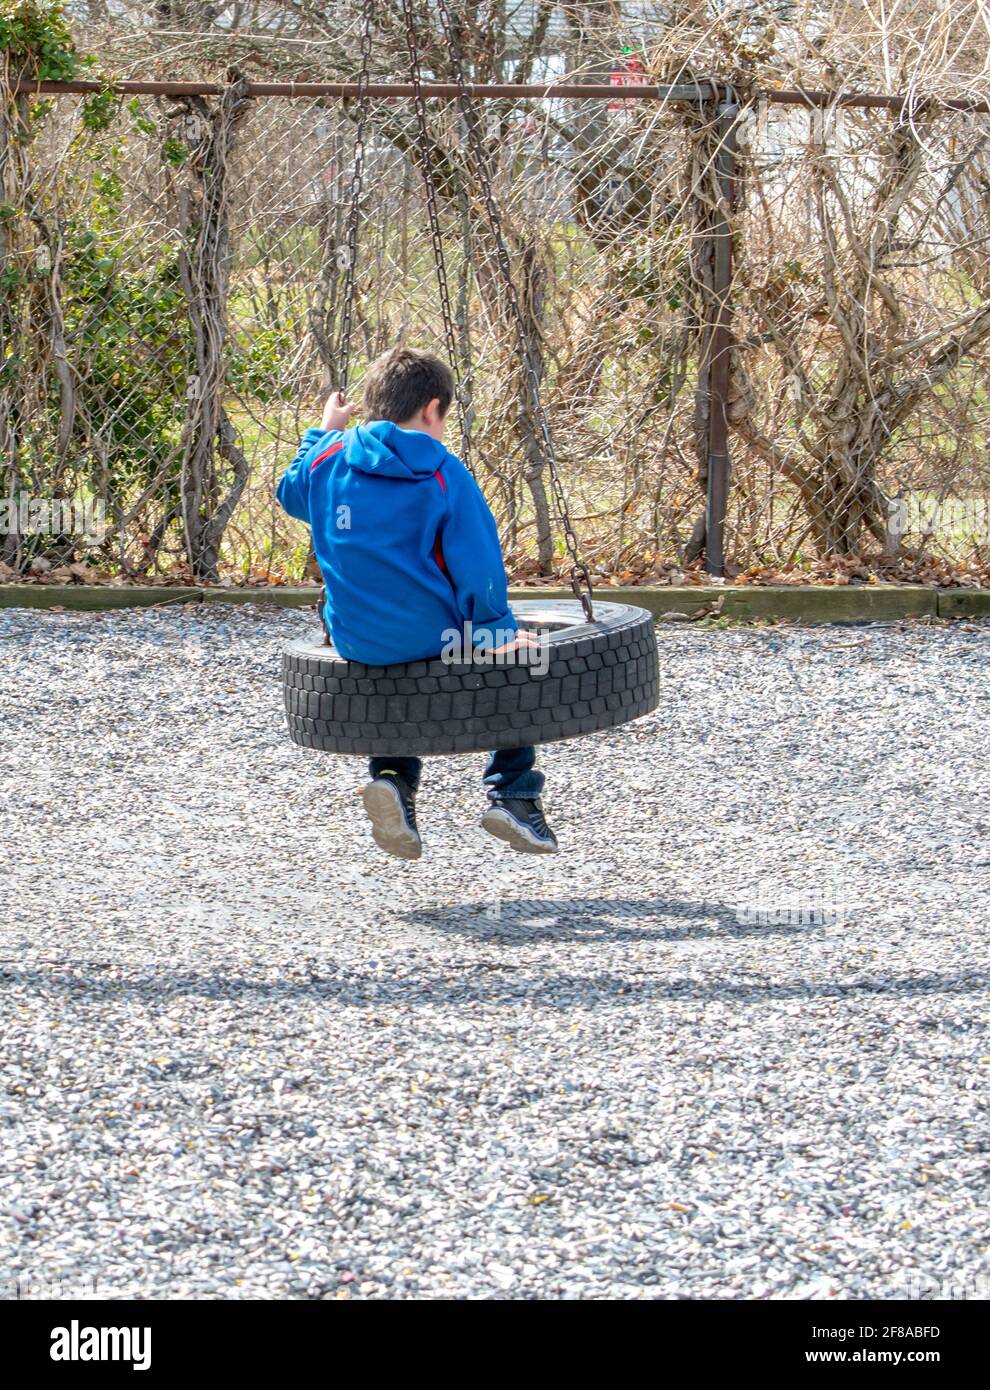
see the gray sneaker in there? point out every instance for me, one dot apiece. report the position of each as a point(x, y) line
point(391, 807)
point(521, 824)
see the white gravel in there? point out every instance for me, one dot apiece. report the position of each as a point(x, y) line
point(732, 1042)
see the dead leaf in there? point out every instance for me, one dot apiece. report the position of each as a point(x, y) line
point(86, 574)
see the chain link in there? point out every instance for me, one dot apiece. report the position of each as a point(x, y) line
point(347, 254)
point(342, 357)
point(580, 574)
point(433, 215)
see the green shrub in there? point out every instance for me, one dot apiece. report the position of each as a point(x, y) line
point(36, 38)
point(127, 325)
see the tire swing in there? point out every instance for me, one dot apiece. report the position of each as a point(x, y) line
point(598, 666)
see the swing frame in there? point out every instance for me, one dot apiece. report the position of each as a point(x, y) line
point(600, 669)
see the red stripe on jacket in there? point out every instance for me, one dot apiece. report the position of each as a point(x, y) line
point(332, 450)
point(437, 548)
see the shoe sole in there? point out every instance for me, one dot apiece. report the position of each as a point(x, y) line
point(388, 824)
point(505, 827)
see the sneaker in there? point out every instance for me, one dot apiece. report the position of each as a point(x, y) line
point(521, 824)
point(391, 806)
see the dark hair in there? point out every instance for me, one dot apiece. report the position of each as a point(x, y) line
point(402, 381)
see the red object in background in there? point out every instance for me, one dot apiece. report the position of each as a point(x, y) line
point(628, 71)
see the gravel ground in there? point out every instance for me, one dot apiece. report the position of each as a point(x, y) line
point(732, 1042)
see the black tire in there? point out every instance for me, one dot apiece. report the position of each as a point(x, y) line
point(600, 674)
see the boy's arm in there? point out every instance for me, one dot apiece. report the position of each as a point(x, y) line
point(293, 488)
point(473, 556)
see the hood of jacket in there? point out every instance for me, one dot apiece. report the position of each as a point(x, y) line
point(384, 449)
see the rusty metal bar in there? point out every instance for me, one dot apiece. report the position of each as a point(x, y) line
point(719, 343)
point(445, 91)
point(677, 92)
point(872, 99)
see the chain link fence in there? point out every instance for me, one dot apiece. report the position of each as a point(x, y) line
point(862, 296)
point(174, 266)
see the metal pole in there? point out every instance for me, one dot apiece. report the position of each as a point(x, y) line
point(719, 342)
point(446, 91)
point(873, 100)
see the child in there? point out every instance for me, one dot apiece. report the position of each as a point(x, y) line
point(409, 551)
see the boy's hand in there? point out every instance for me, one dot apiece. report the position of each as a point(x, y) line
point(338, 411)
point(523, 640)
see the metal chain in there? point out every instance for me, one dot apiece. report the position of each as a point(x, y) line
point(433, 215)
point(579, 570)
point(342, 357)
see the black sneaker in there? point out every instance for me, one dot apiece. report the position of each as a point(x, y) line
point(391, 806)
point(521, 824)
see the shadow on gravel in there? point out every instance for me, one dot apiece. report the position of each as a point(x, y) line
point(572, 920)
point(491, 982)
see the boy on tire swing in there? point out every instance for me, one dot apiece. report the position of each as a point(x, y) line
point(409, 551)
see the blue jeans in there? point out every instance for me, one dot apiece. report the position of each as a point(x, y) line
point(511, 772)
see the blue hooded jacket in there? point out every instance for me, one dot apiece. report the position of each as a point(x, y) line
point(405, 540)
